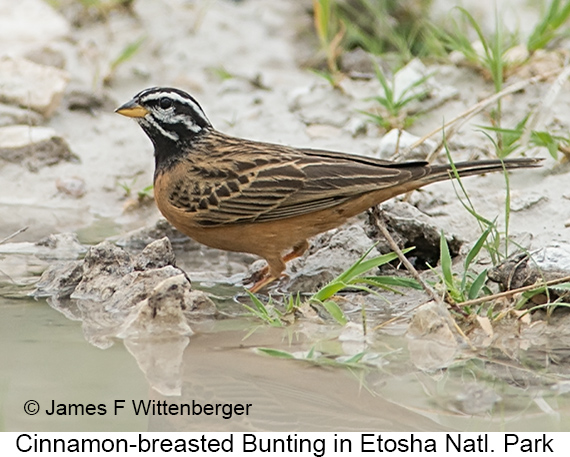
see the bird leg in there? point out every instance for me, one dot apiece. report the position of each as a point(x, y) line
point(264, 281)
point(275, 267)
point(298, 251)
point(268, 274)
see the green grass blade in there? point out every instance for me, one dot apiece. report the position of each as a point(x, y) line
point(351, 275)
point(311, 353)
point(474, 252)
point(546, 30)
point(329, 290)
point(260, 307)
point(334, 310)
point(546, 140)
point(403, 101)
point(276, 353)
point(355, 358)
point(477, 285)
point(127, 53)
point(388, 99)
point(262, 312)
point(362, 266)
point(477, 29)
point(445, 262)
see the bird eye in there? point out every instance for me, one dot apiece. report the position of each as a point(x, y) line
point(165, 103)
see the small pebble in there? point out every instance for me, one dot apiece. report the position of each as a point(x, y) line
point(72, 186)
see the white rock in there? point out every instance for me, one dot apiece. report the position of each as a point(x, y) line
point(412, 74)
point(33, 147)
point(356, 126)
point(319, 104)
point(553, 258)
point(479, 48)
point(526, 200)
point(25, 24)
point(10, 115)
point(516, 55)
point(160, 315)
point(30, 85)
point(322, 131)
point(457, 58)
point(18, 136)
point(390, 142)
point(409, 75)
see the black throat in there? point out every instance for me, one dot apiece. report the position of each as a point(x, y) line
point(169, 152)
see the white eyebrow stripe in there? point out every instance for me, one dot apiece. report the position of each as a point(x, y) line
point(178, 119)
point(178, 97)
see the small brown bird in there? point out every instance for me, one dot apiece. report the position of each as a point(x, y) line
point(266, 199)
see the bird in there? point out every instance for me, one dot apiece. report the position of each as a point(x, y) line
point(262, 198)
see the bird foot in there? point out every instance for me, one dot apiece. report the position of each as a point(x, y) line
point(257, 276)
point(265, 281)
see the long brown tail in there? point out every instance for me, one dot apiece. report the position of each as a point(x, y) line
point(443, 172)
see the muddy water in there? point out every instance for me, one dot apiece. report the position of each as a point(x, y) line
point(46, 358)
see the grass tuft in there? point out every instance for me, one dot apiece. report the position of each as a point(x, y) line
point(353, 278)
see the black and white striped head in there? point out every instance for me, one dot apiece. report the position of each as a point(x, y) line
point(167, 115)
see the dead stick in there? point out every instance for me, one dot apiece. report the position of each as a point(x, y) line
point(466, 115)
point(508, 293)
point(379, 223)
point(16, 233)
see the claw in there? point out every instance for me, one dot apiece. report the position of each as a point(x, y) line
point(265, 276)
point(264, 281)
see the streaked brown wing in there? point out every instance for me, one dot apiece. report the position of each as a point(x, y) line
point(332, 178)
point(267, 188)
point(297, 183)
point(220, 195)
point(252, 181)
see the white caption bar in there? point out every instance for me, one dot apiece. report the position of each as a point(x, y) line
point(269, 443)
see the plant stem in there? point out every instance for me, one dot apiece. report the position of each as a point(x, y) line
point(379, 224)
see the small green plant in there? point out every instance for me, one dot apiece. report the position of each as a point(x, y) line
point(128, 188)
point(393, 111)
point(491, 57)
point(330, 31)
point(469, 285)
point(354, 278)
point(493, 238)
point(548, 28)
point(221, 73)
point(389, 26)
point(145, 193)
point(270, 313)
point(142, 194)
point(490, 60)
point(513, 140)
point(320, 359)
point(563, 290)
point(127, 53)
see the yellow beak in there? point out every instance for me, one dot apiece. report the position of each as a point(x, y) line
point(132, 109)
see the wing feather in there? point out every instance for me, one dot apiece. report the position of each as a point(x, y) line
point(281, 182)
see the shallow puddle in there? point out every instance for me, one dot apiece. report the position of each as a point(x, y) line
point(46, 359)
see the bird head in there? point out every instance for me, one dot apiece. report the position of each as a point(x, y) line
point(166, 115)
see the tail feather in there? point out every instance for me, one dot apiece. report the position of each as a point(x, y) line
point(443, 172)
